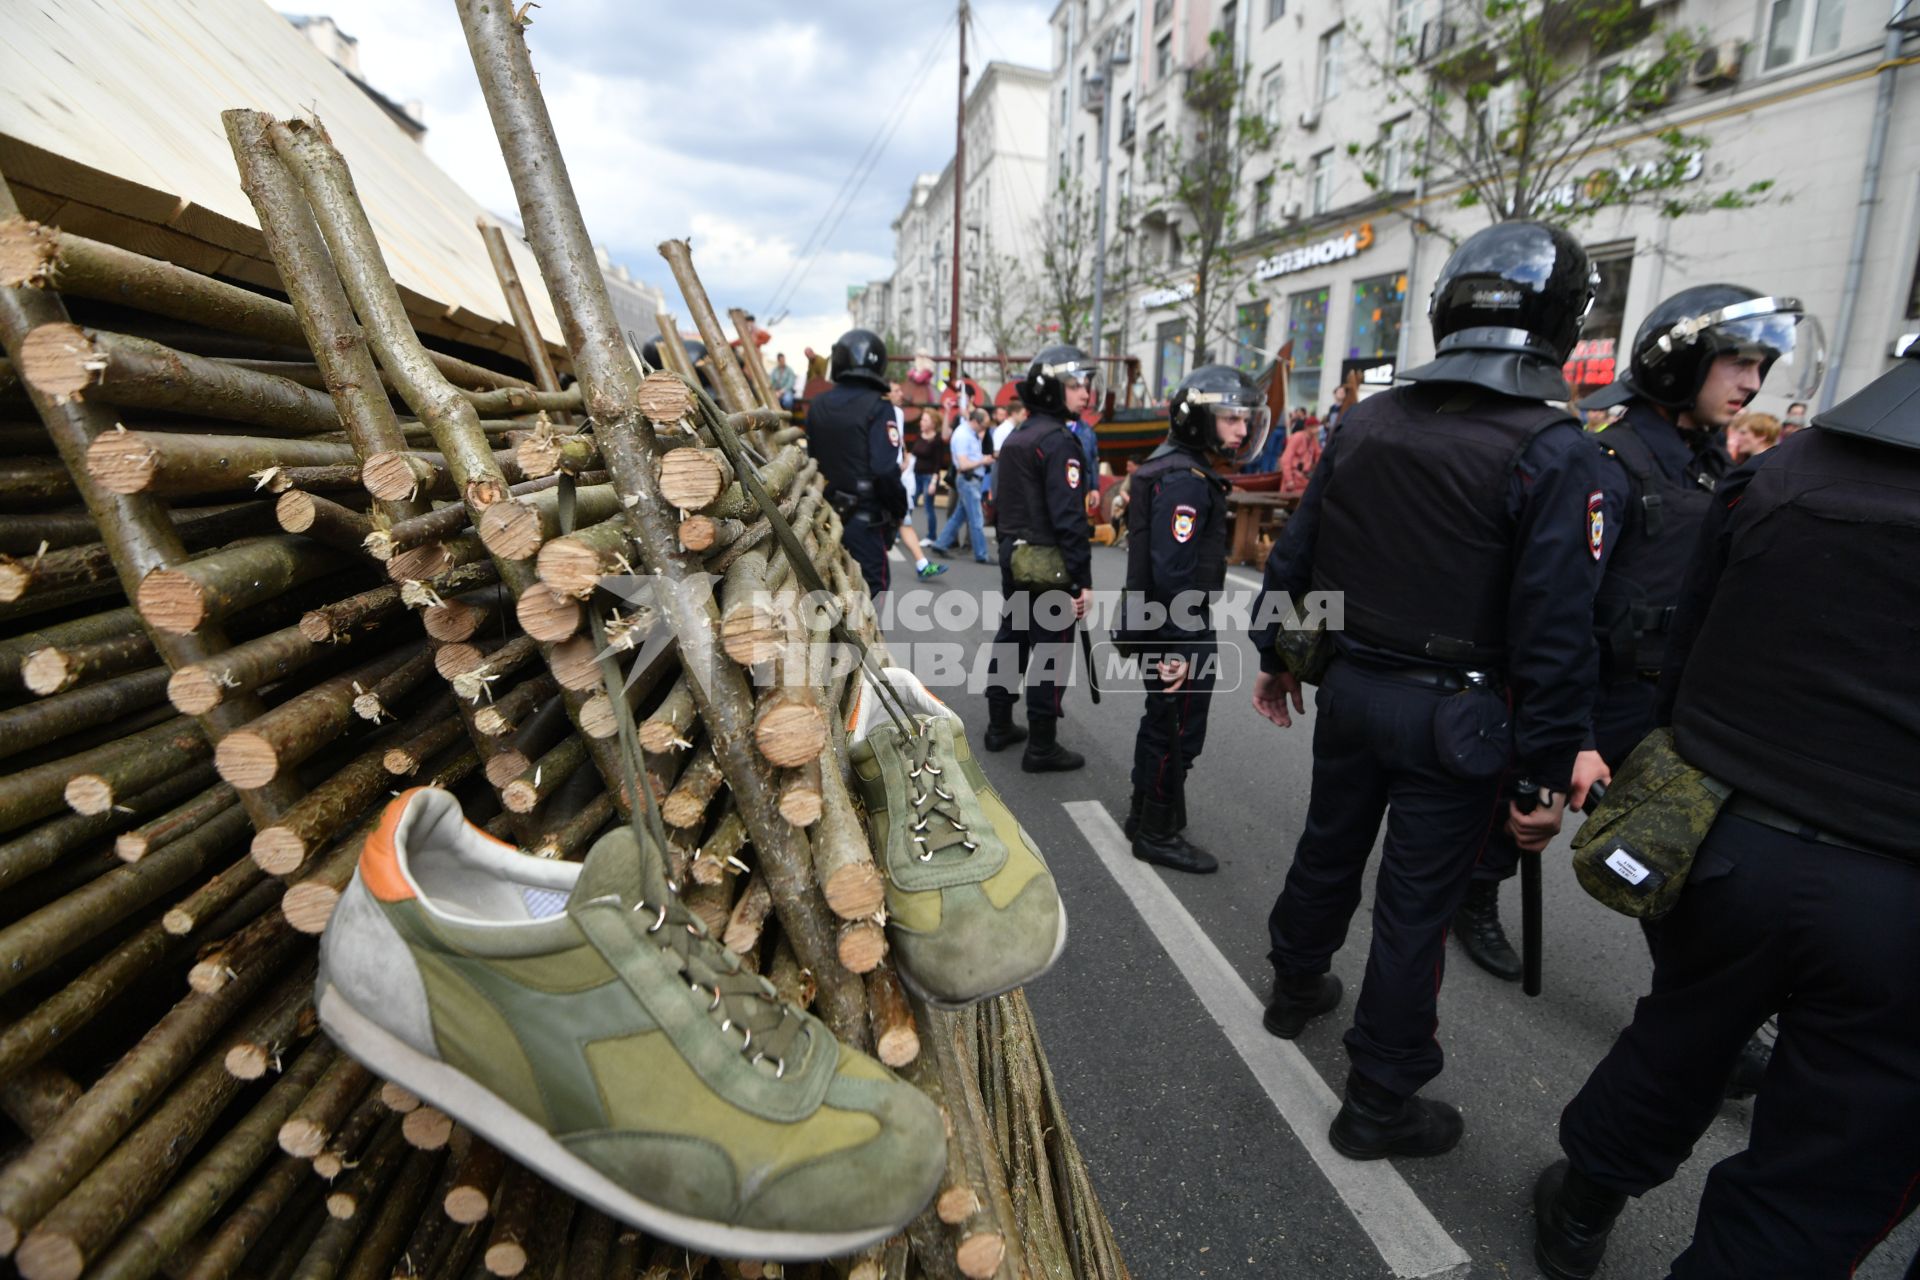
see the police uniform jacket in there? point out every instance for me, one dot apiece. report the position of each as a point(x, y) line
point(1040, 492)
point(1657, 483)
point(1464, 529)
point(1796, 657)
point(852, 433)
point(1176, 554)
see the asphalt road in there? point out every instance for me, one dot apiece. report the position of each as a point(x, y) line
point(1171, 1091)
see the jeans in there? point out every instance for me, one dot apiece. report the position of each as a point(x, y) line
point(923, 492)
point(966, 506)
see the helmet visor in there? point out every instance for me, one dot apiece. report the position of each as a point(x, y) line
point(1791, 346)
point(1083, 373)
point(1241, 421)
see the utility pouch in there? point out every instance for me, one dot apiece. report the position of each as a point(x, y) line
point(1635, 851)
point(1306, 650)
point(1038, 568)
point(1473, 732)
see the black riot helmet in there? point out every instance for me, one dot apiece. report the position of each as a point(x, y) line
point(1212, 392)
point(1886, 410)
point(1507, 309)
point(1044, 388)
point(859, 358)
point(1681, 338)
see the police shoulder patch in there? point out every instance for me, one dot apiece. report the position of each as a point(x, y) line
point(1596, 523)
point(893, 436)
point(1183, 519)
point(1073, 473)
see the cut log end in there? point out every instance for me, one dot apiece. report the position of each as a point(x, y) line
point(790, 734)
point(451, 621)
point(342, 1205)
point(210, 975)
point(691, 478)
point(520, 796)
point(172, 602)
point(427, 1128)
point(130, 846)
point(664, 398)
point(862, 946)
point(506, 1259)
point(179, 922)
point(575, 665)
point(45, 1255)
point(420, 563)
point(46, 671)
point(956, 1204)
point(308, 907)
point(58, 360)
point(398, 1098)
point(510, 530)
point(279, 851)
point(698, 533)
point(247, 760)
point(28, 253)
point(296, 511)
point(395, 477)
point(369, 707)
point(980, 1254)
point(504, 767)
point(124, 462)
point(457, 659)
point(569, 567)
point(193, 691)
point(89, 793)
point(898, 1047)
point(546, 615)
point(400, 763)
point(303, 1139)
point(855, 891)
point(379, 545)
point(248, 1061)
point(596, 717)
point(467, 1205)
point(316, 627)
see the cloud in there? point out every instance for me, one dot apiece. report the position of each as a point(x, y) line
point(735, 125)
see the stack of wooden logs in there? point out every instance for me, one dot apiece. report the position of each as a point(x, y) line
point(266, 560)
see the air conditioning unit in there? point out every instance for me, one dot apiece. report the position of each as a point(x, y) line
point(1717, 64)
point(1290, 211)
point(1436, 37)
point(1310, 119)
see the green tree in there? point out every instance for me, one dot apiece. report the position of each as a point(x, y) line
point(1000, 303)
point(1545, 109)
point(1064, 230)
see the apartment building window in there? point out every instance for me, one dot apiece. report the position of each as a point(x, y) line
point(1273, 87)
point(1396, 155)
point(1063, 107)
point(1162, 10)
point(1801, 29)
point(1250, 335)
point(1379, 305)
point(1157, 153)
point(1173, 245)
point(1163, 57)
point(1407, 17)
point(1229, 21)
point(1123, 188)
point(1330, 62)
point(1307, 328)
point(1320, 182)
point(1079, 153)
point(1262, 203)
point(1276, 10)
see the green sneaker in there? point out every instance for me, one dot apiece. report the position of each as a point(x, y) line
point(581, 1019)
point(972, 910)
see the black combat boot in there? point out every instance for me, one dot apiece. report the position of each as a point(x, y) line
point(1297, 1000)
point(1571, 1218)
point(1132, 822)
point(1002, 732)
point(1749, 1069)
point(1044, 755)
point(1477, 922)
point(1374, 1123)
point(1157, 841)
point(1180, 817)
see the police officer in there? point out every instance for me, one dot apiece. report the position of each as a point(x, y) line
point(1040, 492)
point(1176, 560)
point(1452, 514)
point(1698, 360)
point(1798, 690)
point(853, 435)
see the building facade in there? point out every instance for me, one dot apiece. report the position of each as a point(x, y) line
point(1005, 196)
point(1785, 91)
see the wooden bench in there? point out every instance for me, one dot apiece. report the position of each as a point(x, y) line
point(1254, 514)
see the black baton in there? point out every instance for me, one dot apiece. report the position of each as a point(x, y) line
point(1086, 652)
point(1526, 800)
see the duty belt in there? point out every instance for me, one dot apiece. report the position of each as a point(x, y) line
point(1446, 679)
point(1743, 805)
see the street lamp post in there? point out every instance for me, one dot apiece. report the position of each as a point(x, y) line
point(1111, 58)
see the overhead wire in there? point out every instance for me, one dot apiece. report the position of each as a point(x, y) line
point(856, 179)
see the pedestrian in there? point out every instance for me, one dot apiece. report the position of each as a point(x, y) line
point(1751, 434)
point(1796, 418)
point(782, 378)
point(1452, 516)
point(922, 567)
point(1299, 458)
point(1176, 565)
point(1046, 560)
point(970, 463)
point(929, 447)
point(1698, 359)
point(1803, 892)
point(854, 435)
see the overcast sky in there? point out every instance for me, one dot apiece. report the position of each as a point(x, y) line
point(734, 124)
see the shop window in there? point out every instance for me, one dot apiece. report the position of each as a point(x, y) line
point(1307, 330)
point(1801, 29)
point(1170, 358)
point(1250, 335)
point(1594, 361)
point(1379, 305)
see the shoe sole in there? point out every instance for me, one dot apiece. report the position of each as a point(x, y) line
point(1387, 1153)
point(954, 1006)
point(479, 1108)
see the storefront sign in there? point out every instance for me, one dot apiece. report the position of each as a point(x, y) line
point(1591, 364)
point(1347, 244)
point(1153, 299)
point(1601, 184)
point(1374, 372)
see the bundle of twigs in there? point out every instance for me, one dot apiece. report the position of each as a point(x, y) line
point(264, 561)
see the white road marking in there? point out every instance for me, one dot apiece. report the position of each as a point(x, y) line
point(1411, 1241)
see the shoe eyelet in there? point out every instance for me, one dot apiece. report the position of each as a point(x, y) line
point(969, 845)
point(748, 1032)
point(927, 856)
point(659, 921)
